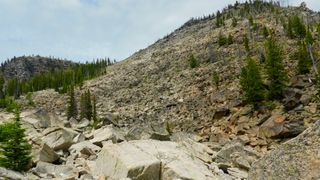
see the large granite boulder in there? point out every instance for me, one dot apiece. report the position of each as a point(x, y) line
point(44, 153)
point(151, 159)
point(47, 170)
point(59, 138)
point(298, 158)
point(8, 174)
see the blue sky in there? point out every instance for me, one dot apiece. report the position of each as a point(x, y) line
point(81, 30)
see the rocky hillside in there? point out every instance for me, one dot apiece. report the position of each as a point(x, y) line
point(25, 67)
point(162, 119)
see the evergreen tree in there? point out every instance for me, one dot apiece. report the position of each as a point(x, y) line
point(230, 39)
point(289, 28)
point(246, 43)
point(72, 105)
point(222, 40)
point(88, 105)
point(251, 83)
point(309, 38)
point(193, 61)
point(265, 32)
point(304, 60)
point(82, 106)
point(275, 69)
point(94, 113)
point(14, 148)
point(234, 22)
point(2, 81)
point(215, 79)
point(298, 27)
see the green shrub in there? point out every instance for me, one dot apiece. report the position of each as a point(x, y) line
point(193, 62)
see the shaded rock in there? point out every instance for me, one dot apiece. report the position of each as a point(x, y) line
point(56, 171)
point(292, 98)
point(273, 126)
point(9, 174)
point(221, 112)
point(60, 138)
point(106, 133)
point(81, 147)
point(44, 153)
point(236, 155)
point(298, 158)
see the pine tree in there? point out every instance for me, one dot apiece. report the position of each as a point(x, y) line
point(14, 148)
point(251, 83)
point(94, 113)
point(275, 69)
point(246, 43)
point(82, 106)
point(265, 32)
point(234, 22)
point(289, 28)
point(304, 60)
point(230, 39)
point(298, 27)
point(309, 38)
point(2, 81)
point(88, 105)
point(72, 110)
point(193, 61)
point(85, 106)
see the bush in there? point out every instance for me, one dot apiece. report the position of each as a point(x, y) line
point(193, 61)
point(14, 148)
point(222, 40)
point(215, 79)
point(230, 39)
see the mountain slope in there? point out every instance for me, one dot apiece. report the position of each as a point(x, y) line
point(157, 84)
point(25, 67)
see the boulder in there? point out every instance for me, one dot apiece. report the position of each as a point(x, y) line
point(61, 138)
point(298, 158)
point(106, 133)
point(273, 126)
point(44, 153)
point(152, 159)
point(9, 174)
point(126, 160)
point(221, 112)
point(45, 170)
point(77, 149)
point(292, 98)
point(236, 155)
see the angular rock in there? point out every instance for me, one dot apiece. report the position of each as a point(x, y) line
point(106, 133)
point(273, 126)
point(78, 148)
point(237, 173)
point(221, 112)
point(298, 158)
point(56, 171)
point(9, 174)
point(44, 153)
point(60, 138)
point(142, 158)
point(126, 160)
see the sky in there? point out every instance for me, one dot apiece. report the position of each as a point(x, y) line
point(82, 30)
